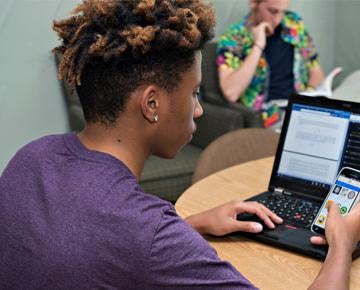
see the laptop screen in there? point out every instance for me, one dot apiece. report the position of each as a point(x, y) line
point(319, 137)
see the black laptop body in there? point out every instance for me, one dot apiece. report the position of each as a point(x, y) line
point(319, 136)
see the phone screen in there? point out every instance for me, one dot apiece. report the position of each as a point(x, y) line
point(344, 192)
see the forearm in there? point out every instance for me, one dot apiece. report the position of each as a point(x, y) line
point(335, 272)
point(234, 84)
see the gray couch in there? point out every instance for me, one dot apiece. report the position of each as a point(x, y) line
point(212, 92)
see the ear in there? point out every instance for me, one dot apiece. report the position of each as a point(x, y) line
point(253, 4)
point(150, 101)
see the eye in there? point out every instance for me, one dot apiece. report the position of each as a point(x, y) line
point(273, 11)
point(196, 93)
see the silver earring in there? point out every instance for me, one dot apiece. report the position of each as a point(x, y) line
point(156, 118)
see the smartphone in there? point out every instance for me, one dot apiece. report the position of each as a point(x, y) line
point(345, 192)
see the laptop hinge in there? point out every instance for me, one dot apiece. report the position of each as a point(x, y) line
point(280, 191)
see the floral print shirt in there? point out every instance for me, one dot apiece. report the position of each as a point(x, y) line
point(236, 44)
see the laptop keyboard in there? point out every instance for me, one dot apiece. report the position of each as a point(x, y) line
point(292, 210)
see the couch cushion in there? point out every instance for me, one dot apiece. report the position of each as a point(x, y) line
point(215, 121)
point(168, 178)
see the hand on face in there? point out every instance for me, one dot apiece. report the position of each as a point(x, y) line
point(222, 220)
point(260, 32)
point(340, 231)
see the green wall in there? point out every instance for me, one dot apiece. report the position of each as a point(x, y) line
point(31, 103)
point(347, 36)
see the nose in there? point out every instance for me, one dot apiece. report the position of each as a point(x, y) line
point(198, 109)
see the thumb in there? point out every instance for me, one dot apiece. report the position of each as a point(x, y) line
point(267, 28)
point(319, 241)
point(249, 227)
point(333, 209)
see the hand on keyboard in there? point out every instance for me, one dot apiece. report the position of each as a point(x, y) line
point(292, 210)
point(222, 220)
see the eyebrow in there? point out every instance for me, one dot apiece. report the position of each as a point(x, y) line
point(198, 85)
point(275, 10)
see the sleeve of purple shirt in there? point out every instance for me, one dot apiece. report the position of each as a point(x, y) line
point(180, 258)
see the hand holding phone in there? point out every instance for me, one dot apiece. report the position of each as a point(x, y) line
point(345, 192)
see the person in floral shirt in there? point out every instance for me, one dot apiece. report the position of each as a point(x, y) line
point(267, 56)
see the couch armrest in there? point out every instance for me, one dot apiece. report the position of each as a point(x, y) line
point(349, 88)
point(251, 118)
point(214, 122)
point(214, 98)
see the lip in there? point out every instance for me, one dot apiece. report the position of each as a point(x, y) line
point(194, 129)
point(192, 134)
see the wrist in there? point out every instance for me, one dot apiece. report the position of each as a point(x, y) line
point(197, 223)
point(310, 88)
point(344, 251)
point(259, 46)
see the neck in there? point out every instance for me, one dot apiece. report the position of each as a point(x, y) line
point(119, 143)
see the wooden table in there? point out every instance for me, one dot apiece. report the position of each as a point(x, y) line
point(265, 266)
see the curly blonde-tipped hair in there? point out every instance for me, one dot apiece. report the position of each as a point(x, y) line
point(110, 47)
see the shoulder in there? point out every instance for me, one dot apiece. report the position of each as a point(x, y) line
point(42, 144)
point(294, 30)
point(293, 21)
point(293, 16)
point(45, 147)
point(36, 150)
point(234, 34)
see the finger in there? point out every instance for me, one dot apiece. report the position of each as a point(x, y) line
point(319, 241)
point(271, 214)
point(268, 28)
point(249, 227)
point(264, 27)
point(254, 208)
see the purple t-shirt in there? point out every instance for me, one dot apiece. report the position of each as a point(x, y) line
point(71, 218)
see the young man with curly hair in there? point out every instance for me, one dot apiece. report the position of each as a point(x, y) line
point(72, 213)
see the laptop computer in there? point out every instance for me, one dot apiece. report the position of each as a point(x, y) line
point(319, 136)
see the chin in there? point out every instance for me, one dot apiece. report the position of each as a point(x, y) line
point(169, 154)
